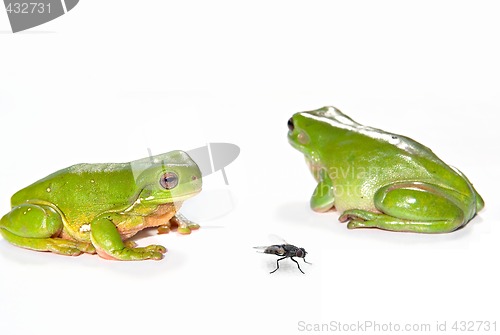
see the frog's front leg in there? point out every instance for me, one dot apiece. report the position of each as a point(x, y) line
point(184, 225)
point(323, 199)
point(411, 207)
point(36, 227)
point(109, 244)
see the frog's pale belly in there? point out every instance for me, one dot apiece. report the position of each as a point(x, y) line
point(161, 216)
point(343, 203)
point(349, 194)
point(128, 227)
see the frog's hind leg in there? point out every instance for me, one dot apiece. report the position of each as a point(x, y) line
point(421, 208)
point(35, 227)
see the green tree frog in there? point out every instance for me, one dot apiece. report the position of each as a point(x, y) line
point(95, 208)
point(378, 179)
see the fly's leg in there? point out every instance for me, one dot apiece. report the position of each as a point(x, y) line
point(277, 264)
point(306, 261)
point(297, 264)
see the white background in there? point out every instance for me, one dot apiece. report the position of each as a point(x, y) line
point(111, 79)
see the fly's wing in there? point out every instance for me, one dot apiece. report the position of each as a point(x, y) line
point(261, 249)
point(279, 248)
point(276, 239)
point(272, 249)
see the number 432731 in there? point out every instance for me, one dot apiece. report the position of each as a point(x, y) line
point(28, 8)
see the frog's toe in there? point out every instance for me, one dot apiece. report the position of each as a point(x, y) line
point(193, 226)
point(68, 251)
point(184, 225)
point(154, 252)
point(154, 255)
point(354, 223)
point(359, 218)
point(357, 215)
point(184, 230)
point(87, 248)
point(130, 244)
point(156, 248)
point(164, 230)
point(69, 248)
point(157, 256)
point(74, 252)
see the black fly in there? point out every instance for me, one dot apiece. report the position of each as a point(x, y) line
point(286, 250)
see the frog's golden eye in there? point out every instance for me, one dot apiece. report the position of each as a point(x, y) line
point(291, 127)
point(169, 180)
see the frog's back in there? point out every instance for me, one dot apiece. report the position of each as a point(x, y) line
point(404, 160)
point(417, 160)
point(82, 188)
point(424, 164)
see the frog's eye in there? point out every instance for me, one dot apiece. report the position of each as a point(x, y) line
point(291, 127)
point(169, 180)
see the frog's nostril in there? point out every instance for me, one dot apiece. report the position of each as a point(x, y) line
point(291, 127)
point(193, 178)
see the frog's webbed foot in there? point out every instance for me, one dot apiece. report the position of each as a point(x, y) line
point(62, 246)
point(165, 229)
point(109, 244)
point(364, 219)
point(87, 248)
point(129, 244)
point(183, 224)
point(154, 252)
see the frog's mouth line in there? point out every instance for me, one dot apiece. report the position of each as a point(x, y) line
point(171, 199)
point(185, 196)
point(180, 198)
